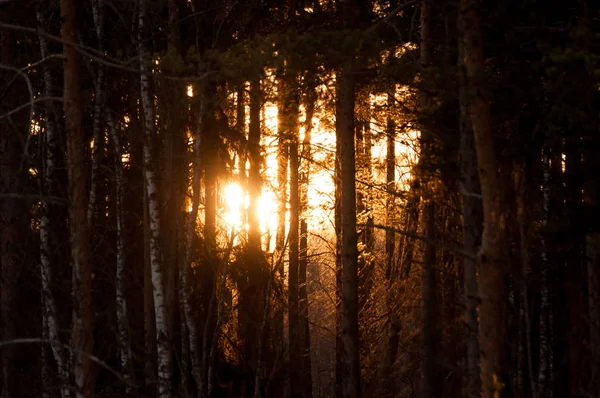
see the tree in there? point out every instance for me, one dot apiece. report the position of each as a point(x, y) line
point(491, 256)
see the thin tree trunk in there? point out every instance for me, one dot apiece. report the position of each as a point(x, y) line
point(217, 330)
point(472, 218)
point(185, 285)
point(296, 380)
point(149, 319)
point(49, 304)
point(576, 268)
point(592, 165)
point(98, 125)
point(387, 384)
point(491, 257)
point(79, 229)
point(430, 382)
point(121, 278)
point(156, 260)
point(11, 224)
point(350, 359)
point(303, 320)
point(390, 179)
point(254, 180)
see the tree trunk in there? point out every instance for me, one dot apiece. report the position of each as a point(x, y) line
point(151, 181)
point(592, 166)
point(98, 125)
point(303, 321)
point(149, 319)
point(12, 220)
point(576, 268)
point(48, 303)
point(472, 218)
point(186, 265)
point(387, 385)
point(350, 359)
point(79, 230)
point(491, 257)
point(430, 382)
point(121, 276)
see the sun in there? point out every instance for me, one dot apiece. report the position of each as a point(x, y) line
point(236, 204)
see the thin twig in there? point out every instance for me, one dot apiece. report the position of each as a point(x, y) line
point(93, 358)
point(99, 57)
point(43, 60)
point(456, 250)
point(29, 104)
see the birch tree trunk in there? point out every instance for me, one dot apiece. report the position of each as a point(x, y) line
point(49, 174)
point(491, 257)
point(78, 224)
point(350, 358)
point(151, 181)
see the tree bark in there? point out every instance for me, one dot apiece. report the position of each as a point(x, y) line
point(491, 257)
point(11, 222)
point(350, 358)
point(472, 218)
point(290, 116)
point(303, 322)
point(430, 382)
point(79, 228)
point(121, 276)
point(49, 311)
point(151, 182)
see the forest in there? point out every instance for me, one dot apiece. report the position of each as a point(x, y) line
point(299, 198)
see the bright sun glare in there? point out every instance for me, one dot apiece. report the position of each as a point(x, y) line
point(237, 202)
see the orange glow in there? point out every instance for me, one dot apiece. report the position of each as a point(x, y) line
point(321, 188)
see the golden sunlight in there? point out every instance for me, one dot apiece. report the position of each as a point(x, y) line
point(320, 191)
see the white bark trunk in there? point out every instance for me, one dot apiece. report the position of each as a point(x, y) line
point(158, 286)
point(49, 306)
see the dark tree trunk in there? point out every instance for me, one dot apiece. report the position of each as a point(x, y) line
point(12, 218)
point(80, 237)
point(430, 382)
point(350, 358)
point(492, 262)
point(472, 226)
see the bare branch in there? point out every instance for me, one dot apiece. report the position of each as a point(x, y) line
point(41, 61)
point(54, 199)
point(391, 15)
point(70, 348)
point(30, 103)
point(98, 56)
point(456, 250)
